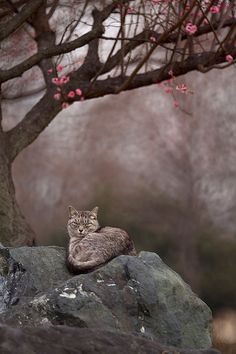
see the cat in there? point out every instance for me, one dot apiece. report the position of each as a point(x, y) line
point(90, 245)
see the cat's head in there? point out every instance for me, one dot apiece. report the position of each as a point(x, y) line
point(80, 223)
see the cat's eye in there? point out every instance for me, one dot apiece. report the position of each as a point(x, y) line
point(92, 217)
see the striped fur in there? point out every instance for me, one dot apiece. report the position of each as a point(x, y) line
point(91, 246)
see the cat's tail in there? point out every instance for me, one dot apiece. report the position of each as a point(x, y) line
point(77, 267)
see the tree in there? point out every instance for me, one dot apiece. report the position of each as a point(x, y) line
point(78, 50)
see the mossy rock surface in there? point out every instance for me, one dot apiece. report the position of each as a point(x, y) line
point(129, 294)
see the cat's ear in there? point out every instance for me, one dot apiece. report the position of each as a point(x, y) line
point(72, 211)
point(95, 211)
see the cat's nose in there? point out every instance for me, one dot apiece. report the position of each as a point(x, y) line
point(81, 229)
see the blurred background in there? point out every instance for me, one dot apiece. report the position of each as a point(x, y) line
point(167, 175)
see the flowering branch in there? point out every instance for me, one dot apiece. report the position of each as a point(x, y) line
point(148, 41)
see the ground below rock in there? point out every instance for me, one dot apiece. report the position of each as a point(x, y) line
point(129, 294)
point(65, 340)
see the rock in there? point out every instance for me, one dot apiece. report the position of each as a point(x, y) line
point(27, 271)
point(65, 340)
point(44, 267)
point(129, 294)
point(11, 274)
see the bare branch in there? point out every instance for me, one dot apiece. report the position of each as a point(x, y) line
point(178, 50)
point(53, 8)
point(45, 38)
point(96, 32)
point(192, 63)
point(35, 121)
point(19, 69)
point(145, 36)
point(19, 19)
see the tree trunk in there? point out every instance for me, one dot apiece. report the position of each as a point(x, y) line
point(14, 230)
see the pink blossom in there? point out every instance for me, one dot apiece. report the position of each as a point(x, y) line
point(50, 71)
point(64, 79)
point(182, 88)
point(190, 28)
point(57, 96)
point(71, 94)
point(229, 58)
point(176, 104)
point(131, 10)
point(55, 81)
point(81, 98)
point(214, 9)
point(168, 89)
point(152, 39)
point(65, 105)
point(78, 92)
point(59, 68)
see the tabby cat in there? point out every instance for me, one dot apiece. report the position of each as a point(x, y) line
point(90, 245)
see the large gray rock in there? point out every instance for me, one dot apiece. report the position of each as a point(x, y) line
point(27, 271)
point(44, 267)
point(65, 340)
point(130, 294)
point(11, 274)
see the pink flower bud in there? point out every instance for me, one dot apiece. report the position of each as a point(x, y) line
point(182, 88)
point(55, 81)
point(59, 68)
point(65, 105)
point(50, 71)
point(131, 10)
point(214, 9)
point(71, 94)
point(168, 89)
point(229, 58)
point(190, 28)
point(152, 39)
point(78, 92)
point(64, 79)
point(176, 104)
point(57, 96)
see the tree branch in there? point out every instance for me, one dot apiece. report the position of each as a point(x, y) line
point(144, 36)
point(192, 63)
point(19, 18)
point(47, 108)
point(45, 38)
point(92, 61)
point(35, 121)
point(19, 69)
